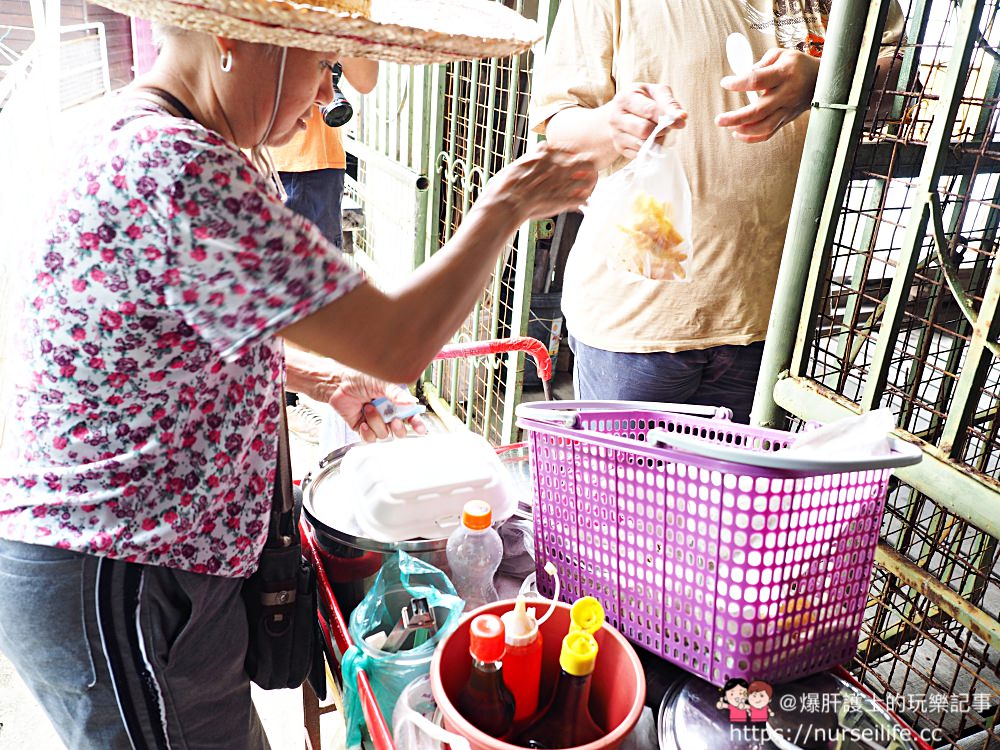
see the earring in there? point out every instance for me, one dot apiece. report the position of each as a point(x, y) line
point(226, 61)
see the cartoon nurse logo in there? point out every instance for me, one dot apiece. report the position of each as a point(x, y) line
point(758, 697)
point(746, 702)
point(734, 697)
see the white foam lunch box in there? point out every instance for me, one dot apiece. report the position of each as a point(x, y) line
point(416, 487)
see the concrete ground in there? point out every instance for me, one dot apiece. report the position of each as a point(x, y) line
point(24, 726)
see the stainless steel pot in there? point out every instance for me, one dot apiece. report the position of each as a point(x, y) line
point(328, 506)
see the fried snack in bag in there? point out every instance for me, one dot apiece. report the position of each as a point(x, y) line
point(652, 246)
point(641, 215)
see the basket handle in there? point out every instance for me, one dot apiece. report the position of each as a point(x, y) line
point(567, 413)
point(903, 454)
point(670, 446)
point(533, 347)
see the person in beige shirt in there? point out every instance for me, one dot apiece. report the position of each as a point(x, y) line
point(610, 70)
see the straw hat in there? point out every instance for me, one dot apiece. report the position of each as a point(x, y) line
point(404, 31)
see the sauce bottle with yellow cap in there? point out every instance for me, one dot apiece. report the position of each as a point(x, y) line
point(567, 721)
point(474, 552)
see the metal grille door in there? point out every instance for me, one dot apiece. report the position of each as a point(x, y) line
point(427, 141)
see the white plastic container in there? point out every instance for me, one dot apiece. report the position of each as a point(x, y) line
point(416, 487)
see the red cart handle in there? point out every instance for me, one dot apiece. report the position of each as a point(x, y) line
point(534, 347)
point(377, 728)
point(338, 625)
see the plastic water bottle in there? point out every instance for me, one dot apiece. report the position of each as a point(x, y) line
point(474, 554)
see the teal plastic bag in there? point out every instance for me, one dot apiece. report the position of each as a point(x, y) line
point(401, 579)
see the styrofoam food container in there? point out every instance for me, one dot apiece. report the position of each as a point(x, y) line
point(413, 488)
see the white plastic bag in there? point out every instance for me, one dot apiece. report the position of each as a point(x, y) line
point(860, 436)
point(641, 215)
point(413, 727)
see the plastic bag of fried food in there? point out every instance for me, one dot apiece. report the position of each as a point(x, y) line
point(642, 213)
point(649, 243)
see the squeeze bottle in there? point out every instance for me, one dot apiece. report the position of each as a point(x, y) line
point(522, 664)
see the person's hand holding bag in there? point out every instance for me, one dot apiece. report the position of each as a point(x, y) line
point(640, 217)
point(636, 111)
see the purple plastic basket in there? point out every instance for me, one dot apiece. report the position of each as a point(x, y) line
point(725, 569)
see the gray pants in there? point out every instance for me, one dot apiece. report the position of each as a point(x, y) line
point(128, 656)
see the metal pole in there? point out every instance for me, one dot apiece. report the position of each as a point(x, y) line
point(841, 53)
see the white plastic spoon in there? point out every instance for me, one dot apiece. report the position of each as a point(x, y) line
point(741, 60)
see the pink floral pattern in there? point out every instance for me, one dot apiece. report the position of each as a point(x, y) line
point(149, 401)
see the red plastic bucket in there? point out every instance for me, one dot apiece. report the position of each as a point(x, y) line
point(618, 687)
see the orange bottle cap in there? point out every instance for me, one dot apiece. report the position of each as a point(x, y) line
point(486, 638)
point(477, 515)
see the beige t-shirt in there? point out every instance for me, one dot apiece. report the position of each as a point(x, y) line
point(741, 193)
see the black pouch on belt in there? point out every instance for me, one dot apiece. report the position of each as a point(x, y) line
point(280, 597)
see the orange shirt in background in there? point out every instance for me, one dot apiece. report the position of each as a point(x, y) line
point(317, 147)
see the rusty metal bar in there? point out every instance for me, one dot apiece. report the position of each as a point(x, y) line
point(975, 369)
point(954, 486)
point(931, 170)
point(949, 602)
point(853, 35)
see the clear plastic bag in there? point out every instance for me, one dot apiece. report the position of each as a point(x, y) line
point(518, 539)
point(641, 215)
point(401, 579)
point(414, 725)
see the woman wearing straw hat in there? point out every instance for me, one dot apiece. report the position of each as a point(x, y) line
point(148, 403)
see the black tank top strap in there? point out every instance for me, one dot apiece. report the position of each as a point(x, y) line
point(175, 103)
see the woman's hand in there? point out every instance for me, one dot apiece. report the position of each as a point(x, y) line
point(635, 111)
point(351, 396)
point(786, 80)
point(542, 183)
point(349, 392)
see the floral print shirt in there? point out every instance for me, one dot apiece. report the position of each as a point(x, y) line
point(148, 401)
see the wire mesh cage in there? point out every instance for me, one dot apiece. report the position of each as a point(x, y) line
point(906, 292)
point(426, 142)
point(950, 273)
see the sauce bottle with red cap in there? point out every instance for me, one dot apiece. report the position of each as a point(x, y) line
point(522, 664)
point(485, 701)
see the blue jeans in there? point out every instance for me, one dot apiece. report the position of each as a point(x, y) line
point(318, 196)
point(717, 376)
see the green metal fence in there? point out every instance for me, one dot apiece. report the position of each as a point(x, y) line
point(887, 297)
point(427, 141)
